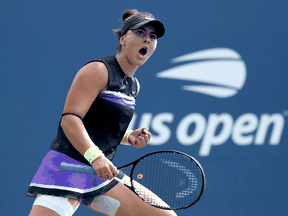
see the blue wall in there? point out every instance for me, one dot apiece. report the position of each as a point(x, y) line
point(223, 101)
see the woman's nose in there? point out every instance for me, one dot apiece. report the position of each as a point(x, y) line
point(147, 39)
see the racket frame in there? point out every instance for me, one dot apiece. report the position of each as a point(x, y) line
point(134, 163)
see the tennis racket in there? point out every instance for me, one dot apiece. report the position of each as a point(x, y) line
point(166, 179)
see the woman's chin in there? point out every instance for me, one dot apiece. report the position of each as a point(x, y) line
point(142, 60)
point(137, 60)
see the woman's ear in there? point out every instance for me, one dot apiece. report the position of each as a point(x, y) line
point(123, 40)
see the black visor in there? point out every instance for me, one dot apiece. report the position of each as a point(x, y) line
point(139, 20)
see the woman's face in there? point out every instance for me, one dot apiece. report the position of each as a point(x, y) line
point(139, 44)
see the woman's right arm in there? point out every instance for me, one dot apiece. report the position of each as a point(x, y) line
point(88, 82)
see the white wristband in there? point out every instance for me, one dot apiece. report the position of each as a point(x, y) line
point(92, 154)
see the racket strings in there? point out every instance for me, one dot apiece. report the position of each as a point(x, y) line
point(168, 180)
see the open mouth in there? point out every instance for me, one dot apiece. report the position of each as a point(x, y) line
point(143, 51)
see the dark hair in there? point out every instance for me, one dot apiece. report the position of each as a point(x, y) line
point(126, 15)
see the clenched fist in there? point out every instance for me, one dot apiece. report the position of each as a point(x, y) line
point(139, 138)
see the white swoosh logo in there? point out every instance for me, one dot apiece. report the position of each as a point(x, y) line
point(221, 68)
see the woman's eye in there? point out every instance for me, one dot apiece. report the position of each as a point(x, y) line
point(154, 37)
point(139, 32)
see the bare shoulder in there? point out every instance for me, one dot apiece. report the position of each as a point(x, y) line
point(95, 72)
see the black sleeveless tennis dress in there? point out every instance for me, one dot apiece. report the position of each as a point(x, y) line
point(106, 122)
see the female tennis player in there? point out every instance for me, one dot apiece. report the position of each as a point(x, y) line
point(98, 109)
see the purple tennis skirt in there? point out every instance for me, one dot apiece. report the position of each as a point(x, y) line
point(51, 181)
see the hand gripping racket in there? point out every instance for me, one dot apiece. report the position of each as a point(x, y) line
point(166, 179)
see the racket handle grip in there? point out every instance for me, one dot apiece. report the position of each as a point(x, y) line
point(65, 167)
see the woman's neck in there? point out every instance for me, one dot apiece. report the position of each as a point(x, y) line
point(126, 65)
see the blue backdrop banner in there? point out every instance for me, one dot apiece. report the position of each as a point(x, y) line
point(215, 88)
